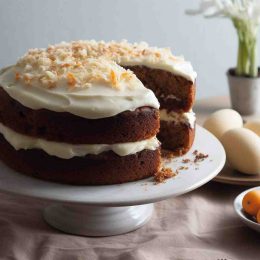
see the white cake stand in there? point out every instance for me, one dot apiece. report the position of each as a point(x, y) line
point(115, 209)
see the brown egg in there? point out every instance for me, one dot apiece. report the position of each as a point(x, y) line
point(242, 147)
point(253, 125)
point(223, 120)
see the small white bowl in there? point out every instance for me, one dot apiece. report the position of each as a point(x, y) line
point(240, 212)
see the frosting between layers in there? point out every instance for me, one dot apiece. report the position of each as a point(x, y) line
point(188, 118)
point(67, 151)
point(92, 102)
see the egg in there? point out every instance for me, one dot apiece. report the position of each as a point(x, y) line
point(242, 148)
point(253, 125)
point(223, 120)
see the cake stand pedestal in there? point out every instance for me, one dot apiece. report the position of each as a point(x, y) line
point(97, 221)
point(116, 209)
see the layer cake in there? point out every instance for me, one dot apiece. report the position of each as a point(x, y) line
point(86, 112)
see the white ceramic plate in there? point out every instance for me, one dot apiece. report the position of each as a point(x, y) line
point(239, 210)
point(132, 193)
point(231, 176)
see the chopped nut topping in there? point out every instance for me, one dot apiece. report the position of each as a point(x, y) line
point(27, 79)
point(113, 78)
point(71, 79)
point(17, 76)
point(80, 63)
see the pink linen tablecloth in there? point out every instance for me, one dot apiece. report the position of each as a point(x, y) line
point(199, 225)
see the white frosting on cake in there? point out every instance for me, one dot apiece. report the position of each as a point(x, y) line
point(131, 54)
point(188, 118)
point(84, 78)
point(67, 151)
point(101, 88)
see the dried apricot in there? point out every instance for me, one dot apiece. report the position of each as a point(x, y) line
point(258, 216)
point(251, 202)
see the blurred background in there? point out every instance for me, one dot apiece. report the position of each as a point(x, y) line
point(210, 44)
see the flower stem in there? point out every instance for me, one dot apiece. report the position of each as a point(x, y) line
point(247, 48)
point(241, 59)
point(253, 70)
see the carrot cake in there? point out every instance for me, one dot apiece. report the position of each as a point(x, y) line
point(80, 122)
point(87, 112)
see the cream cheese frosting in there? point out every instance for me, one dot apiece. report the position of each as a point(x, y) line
point(85, 77)
point(97, 88)
point(67, 151)
point(188, 118)
point(132, 54)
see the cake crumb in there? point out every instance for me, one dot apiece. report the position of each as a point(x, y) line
point(195, 152)
point(163, 174)
point(183, 168)
point(200, 157)
point(185, 160)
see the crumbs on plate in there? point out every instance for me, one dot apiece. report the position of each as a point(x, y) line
point(183, 168)
point(185, 160)
point(199, 157)
point(166, 172)
point(163, 174)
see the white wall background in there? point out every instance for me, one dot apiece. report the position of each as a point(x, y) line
point(209, 44)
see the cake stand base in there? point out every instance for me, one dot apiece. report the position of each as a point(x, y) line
point(108, 210)
point(97, 221)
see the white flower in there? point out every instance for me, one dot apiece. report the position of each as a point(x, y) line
point(235, 9)
point(245, 15)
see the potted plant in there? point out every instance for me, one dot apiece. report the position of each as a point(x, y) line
point(244, 80)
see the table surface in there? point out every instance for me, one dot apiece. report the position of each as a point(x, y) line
point(199, 225)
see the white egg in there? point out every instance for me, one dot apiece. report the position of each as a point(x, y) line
point(253, 125)
point(223, 120)
point(242, 147)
